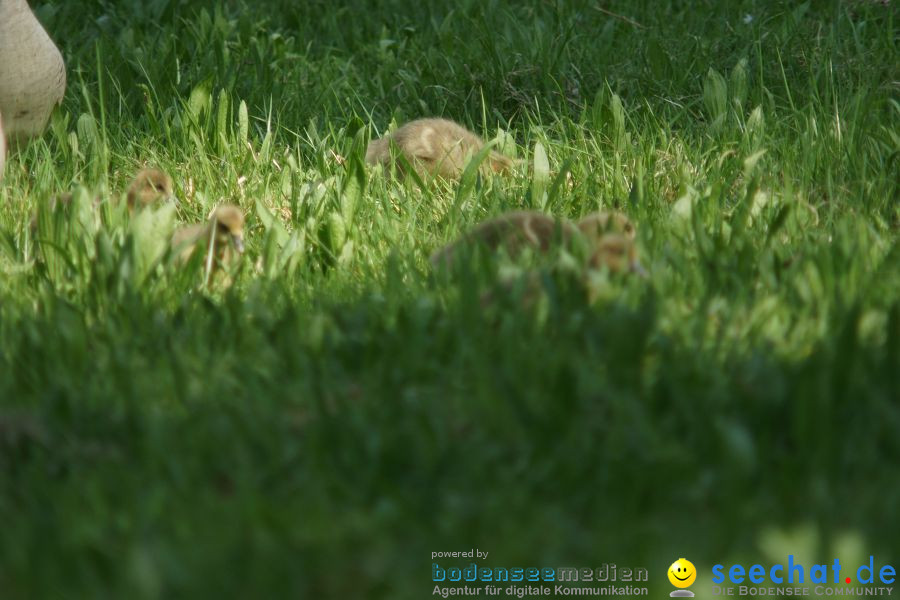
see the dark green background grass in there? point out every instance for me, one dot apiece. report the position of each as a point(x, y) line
point(324, 425)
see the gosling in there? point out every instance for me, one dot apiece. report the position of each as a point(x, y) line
point(513, 232)
point(606, 239)
point(435, 148)
point(225, 230)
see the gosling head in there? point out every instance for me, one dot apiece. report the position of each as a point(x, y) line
point(500, 163)
point(148, 187)
point(610, 237)
point(229, 223)
point(616, 252)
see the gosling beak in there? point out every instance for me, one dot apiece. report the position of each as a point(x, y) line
point(638, 269)
point(238, 242)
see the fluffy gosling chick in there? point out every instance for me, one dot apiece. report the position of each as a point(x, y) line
point(513, 232)
point(435, 147)
point(225, 229)
point(148, 187)
point(605, 238)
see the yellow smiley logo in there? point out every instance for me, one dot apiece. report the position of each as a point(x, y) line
point(682, 573)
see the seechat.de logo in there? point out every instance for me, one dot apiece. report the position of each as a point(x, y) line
point(793, 573)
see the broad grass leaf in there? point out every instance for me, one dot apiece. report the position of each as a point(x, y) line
point(715, 98)
point(541, 176)
point(151, 230)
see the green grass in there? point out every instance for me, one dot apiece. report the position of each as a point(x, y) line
point(339, 413)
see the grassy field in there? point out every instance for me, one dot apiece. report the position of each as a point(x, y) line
point(322, 426)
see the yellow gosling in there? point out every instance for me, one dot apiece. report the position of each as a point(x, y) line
point(435, 147)
point(603, 239)
point(224, 230)
point(148, 187)
point(513, 232)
